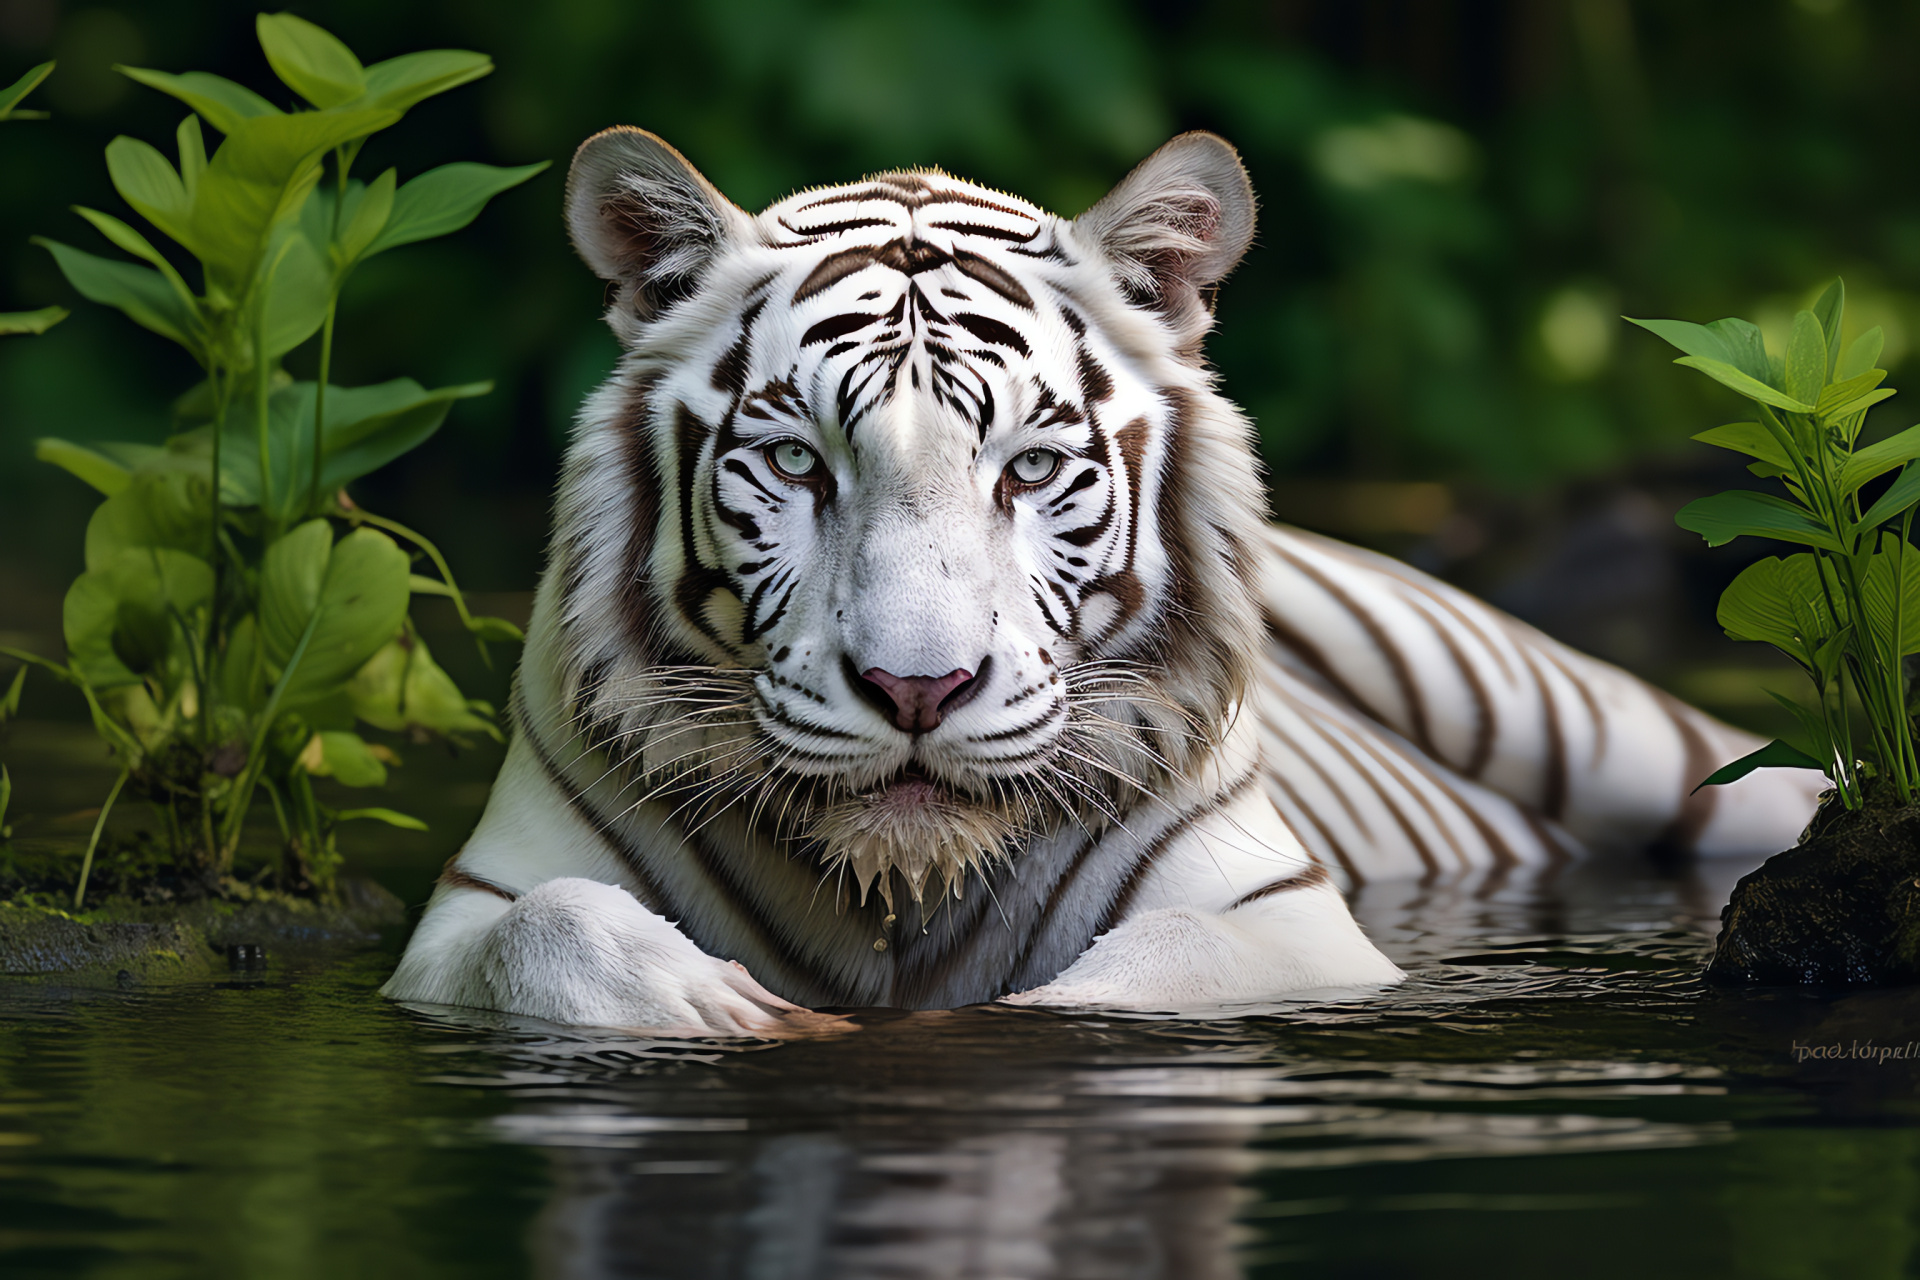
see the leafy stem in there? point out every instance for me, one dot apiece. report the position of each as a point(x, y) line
point(1839, 608)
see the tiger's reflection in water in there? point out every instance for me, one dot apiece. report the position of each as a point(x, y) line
point(1012, 1202)
point(1000, 1142)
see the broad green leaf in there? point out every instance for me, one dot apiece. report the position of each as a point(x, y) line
point(360, 599)
point(366, 217)
point(291, 574)
point(147, 181)
point(310, 60)
point(108, 475)
point(1830, 310)
point(299, 286)
point(1751, 439)
point(15, 322)
point(1862, 355)
point(367, 427)
point(1779, 602)
point(379, 423)
point(125, 237)
point(1806, 369)
point(1838, 394)
point(1753, 389)
point(399, 83)
point(193, 154)
point(345, 757)
point(1901, 494)
point(243, 674)
point(403, 688)
point(1878, 459)
point(259, 177)
point(224, 104)
point(88, 616)
point(11, 95)
point(1730, 341)
point(1858, 405)
point(1810, 721)
point(122, 619)
point(1775, 755)
point(392, 817)
point(441, 201)
point(1723, 517)
point(158, 589)
point(141, 292)
point(165, 509)
point(1878, 595)
point(1826, 659)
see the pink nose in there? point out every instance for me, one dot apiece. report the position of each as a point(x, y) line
point(919, 701)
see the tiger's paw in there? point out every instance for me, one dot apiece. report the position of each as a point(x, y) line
point(585, 953)
point(1175, 959)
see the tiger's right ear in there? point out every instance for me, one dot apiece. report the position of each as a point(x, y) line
point(643, 218)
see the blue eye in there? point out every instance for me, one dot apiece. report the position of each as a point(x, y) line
point(1035, 466)
point(793, 459)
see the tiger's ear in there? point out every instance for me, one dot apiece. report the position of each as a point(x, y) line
point(1176, 225)
point(643, 218)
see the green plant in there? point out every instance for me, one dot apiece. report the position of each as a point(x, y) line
point(1847, 610)
point(10, 98)
point(239, 616)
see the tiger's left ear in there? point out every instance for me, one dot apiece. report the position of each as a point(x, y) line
point(1176, 225)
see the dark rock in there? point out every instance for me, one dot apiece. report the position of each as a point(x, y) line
point(1842, 909)
point(246, 955)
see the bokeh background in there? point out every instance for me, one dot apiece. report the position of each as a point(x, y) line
point(1459, 198)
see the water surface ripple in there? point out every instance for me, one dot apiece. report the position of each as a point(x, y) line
point(1552, 1092)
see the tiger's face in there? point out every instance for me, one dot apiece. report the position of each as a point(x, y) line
point(908, 557)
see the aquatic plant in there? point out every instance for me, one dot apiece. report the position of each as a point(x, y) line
point(10, 109)
point(240, 616)
point(1847, 610)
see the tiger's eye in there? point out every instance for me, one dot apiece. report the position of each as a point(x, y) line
point(791, 458)
point(1035, 466)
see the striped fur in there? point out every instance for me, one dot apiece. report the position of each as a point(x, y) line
point(1181, 729)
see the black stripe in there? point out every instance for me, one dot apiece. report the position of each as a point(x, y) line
point(651, 895)
point(1311, 878)
point(1118, 906)
point(1313, 763)
point(1333, 845)
point(987, 329)
point(1554, 782)
point(454, 878)
point(1389, 651)
point(1393, 809)
point(1696, 810)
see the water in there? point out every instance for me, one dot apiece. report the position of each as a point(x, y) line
point(1553, 1093)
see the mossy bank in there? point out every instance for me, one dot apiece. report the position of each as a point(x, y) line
point(123, 941)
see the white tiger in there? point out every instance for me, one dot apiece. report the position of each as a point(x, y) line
point(913, 635)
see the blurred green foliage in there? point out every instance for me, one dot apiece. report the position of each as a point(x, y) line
point(1458, 199)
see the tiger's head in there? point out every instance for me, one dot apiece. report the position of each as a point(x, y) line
point(910, 519)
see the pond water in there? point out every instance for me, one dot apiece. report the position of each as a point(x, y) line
point(1554, 1092)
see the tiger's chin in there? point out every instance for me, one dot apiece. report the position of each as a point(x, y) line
point(913, 825)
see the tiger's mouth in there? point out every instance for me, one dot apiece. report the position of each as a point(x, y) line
point(910, 786)
point(916, 825)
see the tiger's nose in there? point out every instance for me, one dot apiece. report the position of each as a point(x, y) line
point(916, 703)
